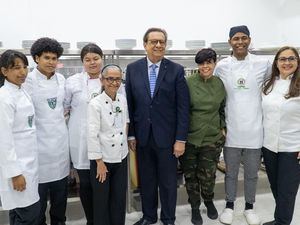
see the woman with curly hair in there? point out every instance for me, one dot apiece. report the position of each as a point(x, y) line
point(46, 88)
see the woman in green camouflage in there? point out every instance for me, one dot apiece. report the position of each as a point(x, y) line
point(206, 135)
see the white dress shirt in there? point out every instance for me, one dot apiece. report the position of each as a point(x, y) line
point(107, 133)
point(281, 119)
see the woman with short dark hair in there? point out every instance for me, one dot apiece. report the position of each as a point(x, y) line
point(205, 136)
point(46, 88)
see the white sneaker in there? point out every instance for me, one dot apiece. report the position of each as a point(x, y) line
point(251, 217)
point(226, 216)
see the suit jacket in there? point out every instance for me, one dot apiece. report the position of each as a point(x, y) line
point(167, 112)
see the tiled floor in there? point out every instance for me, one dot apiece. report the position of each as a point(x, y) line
point(264, 208)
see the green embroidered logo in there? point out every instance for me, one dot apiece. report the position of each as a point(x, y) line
point(94, 95)
point(241, 84)
point(30, 120)
point(52, 102)
point(118, 110)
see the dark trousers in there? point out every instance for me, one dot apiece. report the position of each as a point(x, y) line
point(199, 165)
point(110, 196)
point(283, 172)
point(58, 191)
point(157, 169)
point(24, 216)
point(86, 194)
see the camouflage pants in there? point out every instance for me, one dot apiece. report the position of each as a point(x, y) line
point(199, 165)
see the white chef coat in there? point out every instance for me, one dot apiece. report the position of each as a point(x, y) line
point(52, 135)
point(18, 147)
point(107, 121)
point(243, 81)
point(80, 89)
point(281, 119)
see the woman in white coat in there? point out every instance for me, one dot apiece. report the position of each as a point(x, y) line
point(18, 151)
point(107, 149)
point(281, 121)
point(46, 88)
point(80, 89)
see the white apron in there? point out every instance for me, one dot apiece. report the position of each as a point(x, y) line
point(21, 137)
point(52, 134)
point(243, 107)
point(82, 93)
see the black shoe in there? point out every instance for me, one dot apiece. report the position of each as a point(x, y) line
point(270, 223)
point(143, 221)
point(212, 212)
point(196, 217)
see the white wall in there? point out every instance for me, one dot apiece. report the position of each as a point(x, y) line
point(105, 21)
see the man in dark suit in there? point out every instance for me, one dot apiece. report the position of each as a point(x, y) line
point(158, 103)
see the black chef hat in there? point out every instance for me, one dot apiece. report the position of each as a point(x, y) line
point(243, 29)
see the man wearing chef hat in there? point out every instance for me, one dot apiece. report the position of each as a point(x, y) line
point(242, 74)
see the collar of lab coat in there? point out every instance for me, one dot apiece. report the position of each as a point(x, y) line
point(43, 76)
point(11, 85)
point(107, 98)
point(247, 58)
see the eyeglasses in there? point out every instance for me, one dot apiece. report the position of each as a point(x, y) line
point(289, 59)
point(112, 80)
point(155, 42)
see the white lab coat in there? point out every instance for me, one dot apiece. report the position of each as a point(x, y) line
point(52, 135)
point(80, 89)
point(107, 122)
point(243, 81)
point(281, 119)
point(18, 147)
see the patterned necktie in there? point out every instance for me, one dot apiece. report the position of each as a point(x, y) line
point(152, 78)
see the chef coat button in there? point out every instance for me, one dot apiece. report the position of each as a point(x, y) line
point(113, 145)
point(121, 133)
point(113, 135)
point(121, 144)
point(106, 102)
point(110, 113)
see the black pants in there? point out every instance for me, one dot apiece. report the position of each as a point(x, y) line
point(58, 191)
point(157, 169)
point(283, 172)
point(24, 216)
point(86, 194)
point(110, 196)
